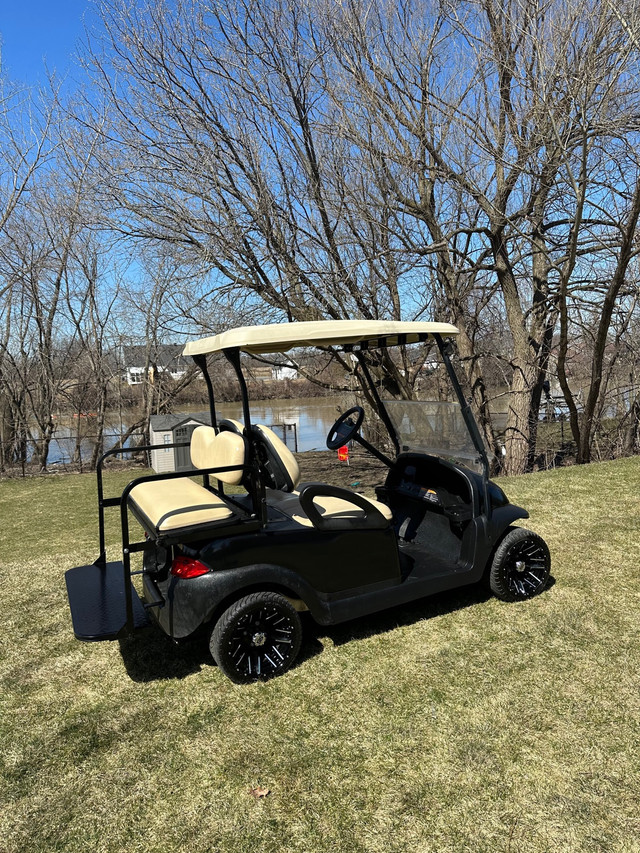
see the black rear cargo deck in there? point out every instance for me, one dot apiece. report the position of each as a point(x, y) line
point(98, 603)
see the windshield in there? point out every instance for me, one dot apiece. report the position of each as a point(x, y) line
point(435, 427)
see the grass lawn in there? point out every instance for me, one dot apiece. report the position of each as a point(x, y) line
point(458, 723)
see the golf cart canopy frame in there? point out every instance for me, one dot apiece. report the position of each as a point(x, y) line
point(355, 336)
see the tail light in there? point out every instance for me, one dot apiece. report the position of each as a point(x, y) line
point(187, 567)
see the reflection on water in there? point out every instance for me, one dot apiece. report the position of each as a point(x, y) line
point(313, 416)
point(63, 444)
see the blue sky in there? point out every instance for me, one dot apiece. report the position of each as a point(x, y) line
point(35, 31)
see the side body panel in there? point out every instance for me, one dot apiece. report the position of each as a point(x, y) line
point(316, 566)
point(339, 575)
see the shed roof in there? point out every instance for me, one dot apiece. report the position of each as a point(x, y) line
point(166, 423)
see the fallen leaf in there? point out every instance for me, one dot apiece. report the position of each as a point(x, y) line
point(259, 792)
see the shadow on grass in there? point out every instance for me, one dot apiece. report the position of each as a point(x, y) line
point(407, 614)
point(396, 617)
point(388, 620)
point(152, 656)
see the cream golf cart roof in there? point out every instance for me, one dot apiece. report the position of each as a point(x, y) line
point(280, 337)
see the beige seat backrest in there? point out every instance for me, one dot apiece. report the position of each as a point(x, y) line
point(211, 450)
point(232, 425)
point(280, 466)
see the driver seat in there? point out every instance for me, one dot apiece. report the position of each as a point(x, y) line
point(313, 504)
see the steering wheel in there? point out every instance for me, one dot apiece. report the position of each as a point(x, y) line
point(344, 429)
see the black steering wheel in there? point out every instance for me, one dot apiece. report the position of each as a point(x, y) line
point(344, 429)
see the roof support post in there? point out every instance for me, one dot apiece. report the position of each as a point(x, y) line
point(201, 362)
point(233, 357)
point(256, 484)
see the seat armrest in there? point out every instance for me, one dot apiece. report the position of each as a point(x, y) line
point(373, 518)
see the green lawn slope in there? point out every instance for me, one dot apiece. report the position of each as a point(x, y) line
point(459, 723)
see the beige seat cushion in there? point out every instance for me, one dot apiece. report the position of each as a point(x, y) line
point(283, 470)
point(178, 503)
point(328, 507)
point(232, 424)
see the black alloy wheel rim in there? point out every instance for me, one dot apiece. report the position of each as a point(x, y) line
point(261, 642)
point(527, 568)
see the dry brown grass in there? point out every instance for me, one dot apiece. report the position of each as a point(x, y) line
point(459, 723)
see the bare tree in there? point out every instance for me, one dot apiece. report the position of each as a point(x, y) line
point(91, 295)
point(26, 147)
point(226, 149)
point(603, 181)
point(378, 160)
point(37, 246)
point(603, 299)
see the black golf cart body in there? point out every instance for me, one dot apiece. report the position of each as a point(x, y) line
point(281, 547)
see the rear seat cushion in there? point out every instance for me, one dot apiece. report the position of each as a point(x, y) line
point(170, 505)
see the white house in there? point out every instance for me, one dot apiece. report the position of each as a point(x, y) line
point(165, 358)
point(284, 372)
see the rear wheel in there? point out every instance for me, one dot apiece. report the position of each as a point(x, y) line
point(256, 638)
point(521, 565)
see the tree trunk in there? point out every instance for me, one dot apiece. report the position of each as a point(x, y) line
point(604, 324)
point(632, 432)
point(98, 447)
point(525, 364)
point(518, 429)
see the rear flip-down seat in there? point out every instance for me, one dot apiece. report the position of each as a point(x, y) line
point(181, 507)
point(171, 504)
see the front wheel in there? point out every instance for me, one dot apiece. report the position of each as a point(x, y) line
point(256, 638)
point(521, 565)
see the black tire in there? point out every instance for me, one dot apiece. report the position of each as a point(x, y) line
point(256, 638)
point(520, 566)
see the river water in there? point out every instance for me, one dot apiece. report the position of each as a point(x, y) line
point(307, 421)
point(312, 417)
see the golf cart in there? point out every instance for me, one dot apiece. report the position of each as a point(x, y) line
point(243, 563)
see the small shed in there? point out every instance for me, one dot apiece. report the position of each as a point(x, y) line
point(169, 429)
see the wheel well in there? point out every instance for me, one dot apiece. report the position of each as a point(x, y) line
point(492, 553)
point(257, 587)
